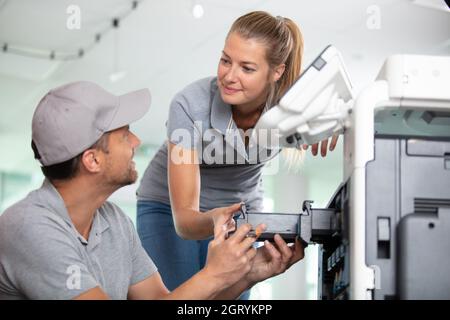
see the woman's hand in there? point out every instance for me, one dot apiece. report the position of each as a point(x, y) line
point(323, 147)
point(274, 259)
point(224, 216)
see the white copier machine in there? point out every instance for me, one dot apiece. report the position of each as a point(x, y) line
point(385, 233)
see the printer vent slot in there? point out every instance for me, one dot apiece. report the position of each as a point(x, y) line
point(424, 205)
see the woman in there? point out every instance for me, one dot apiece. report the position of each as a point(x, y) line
point(179, 197)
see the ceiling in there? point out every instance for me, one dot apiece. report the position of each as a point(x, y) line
point(160, 45)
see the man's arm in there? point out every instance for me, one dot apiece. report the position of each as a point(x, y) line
point(201, 286)
point(93, 294)
point(270, 260)
point(228, 261)
point(151, 288)
point(235, 290)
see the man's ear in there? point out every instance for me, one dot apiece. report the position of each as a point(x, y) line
point(278, 72)
point(92, 160)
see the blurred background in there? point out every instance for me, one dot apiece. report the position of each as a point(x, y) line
point(164, 45)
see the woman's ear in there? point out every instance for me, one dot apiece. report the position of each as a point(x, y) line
point(91, 160)
point(278, 72)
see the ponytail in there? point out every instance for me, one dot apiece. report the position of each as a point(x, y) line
point(294, 59)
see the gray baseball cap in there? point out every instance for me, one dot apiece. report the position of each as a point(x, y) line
point(71, 118)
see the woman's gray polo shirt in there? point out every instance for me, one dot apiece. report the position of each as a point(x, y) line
point(42, 255)
point(230, 172)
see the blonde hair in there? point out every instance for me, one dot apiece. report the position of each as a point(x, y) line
point(284, 43)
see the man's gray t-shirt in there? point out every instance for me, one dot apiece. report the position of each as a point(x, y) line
point(42, 255)
point(199, 111)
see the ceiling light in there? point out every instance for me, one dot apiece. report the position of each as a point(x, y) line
point(197, 11)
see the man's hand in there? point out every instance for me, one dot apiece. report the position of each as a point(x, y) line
point(323, 147)
point(230, 259)
point(272, 260)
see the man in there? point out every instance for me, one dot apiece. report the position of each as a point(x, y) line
point(65, 241)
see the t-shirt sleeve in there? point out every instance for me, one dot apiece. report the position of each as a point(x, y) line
point(142, 265)
point(44, 263)
point(182, 129)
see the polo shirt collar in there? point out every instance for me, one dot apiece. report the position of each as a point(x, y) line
point(99, 225)
point(51, 198)
point(222, 121)
point(221, 114)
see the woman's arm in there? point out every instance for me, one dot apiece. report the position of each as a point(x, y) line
point(184, 190)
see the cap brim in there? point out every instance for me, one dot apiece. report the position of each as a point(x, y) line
point(132, 107)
